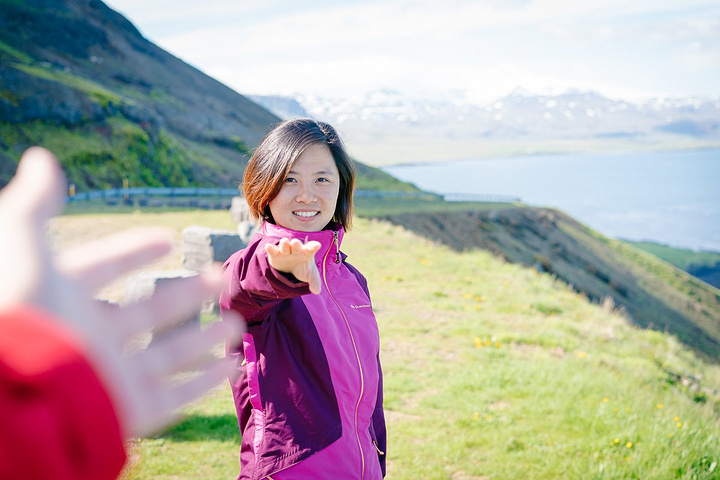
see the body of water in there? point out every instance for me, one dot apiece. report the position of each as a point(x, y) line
point(671, 198)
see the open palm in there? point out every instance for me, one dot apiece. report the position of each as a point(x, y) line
point(297, 258)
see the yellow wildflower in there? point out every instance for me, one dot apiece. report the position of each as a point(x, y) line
point(659, 406)
point(476, 416)
point(628, 444)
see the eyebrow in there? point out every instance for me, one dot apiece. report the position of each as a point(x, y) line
point(319, 172)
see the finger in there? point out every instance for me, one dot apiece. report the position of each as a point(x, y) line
point(155, 421)
point(163, 400)
point(174, 301)
point(101, 261)
point(284, 246)
point(272, 250)
point(296, 246)
point(185, 349)
point(213, 374)
point(33, 195)
point(38, 187)
point(40, 172)
point(312, 247)
point(237, 328)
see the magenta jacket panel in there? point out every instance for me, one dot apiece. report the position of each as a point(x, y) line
point(307, 382)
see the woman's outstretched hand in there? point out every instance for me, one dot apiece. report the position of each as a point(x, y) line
point(297, 258)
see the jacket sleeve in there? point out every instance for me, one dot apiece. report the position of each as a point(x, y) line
point(253, 287)
point(57, 418)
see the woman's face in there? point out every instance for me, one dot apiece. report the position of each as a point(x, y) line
point(306, 202)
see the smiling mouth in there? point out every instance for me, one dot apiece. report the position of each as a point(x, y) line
point(306, 214)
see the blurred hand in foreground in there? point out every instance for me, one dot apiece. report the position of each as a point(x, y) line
point(145, 396)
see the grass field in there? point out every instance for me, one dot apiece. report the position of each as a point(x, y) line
point(492, 371)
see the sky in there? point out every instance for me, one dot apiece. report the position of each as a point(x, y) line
point(478, 50)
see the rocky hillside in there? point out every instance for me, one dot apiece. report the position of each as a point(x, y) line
point(653, 293)
point(79, 78)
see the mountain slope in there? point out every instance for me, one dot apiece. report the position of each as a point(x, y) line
point(702, 265)
point(654, 294)
point(79, 78)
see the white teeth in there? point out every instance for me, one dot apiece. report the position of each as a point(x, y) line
point(306, 214)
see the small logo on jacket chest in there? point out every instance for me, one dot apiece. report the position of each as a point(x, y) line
point(360, 306)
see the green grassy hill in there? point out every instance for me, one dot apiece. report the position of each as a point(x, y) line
point(492, 371)
point(703, 265)
point(80, 79)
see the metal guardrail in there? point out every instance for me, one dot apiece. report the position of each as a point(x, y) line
point(475, 197)
point(384, 194)
point(126, 193)
point(153, 192)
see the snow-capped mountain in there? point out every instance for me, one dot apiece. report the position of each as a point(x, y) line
point(520, 115)
point(283, 107)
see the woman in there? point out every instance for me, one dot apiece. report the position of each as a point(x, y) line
point(308, 393)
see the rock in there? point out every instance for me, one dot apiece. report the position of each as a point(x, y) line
point(202, 246)
point(143, 285)
point(240, 213)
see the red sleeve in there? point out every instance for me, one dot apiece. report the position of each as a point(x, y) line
point(56, 419)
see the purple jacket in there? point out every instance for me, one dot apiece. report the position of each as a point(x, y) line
point(308, 382)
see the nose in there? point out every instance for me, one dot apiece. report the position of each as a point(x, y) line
point(306, 194)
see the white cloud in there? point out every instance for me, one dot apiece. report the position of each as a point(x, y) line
point(486, 47)
point(357, 76)
point(698, 57)
point(148, 12)
point(331, 77)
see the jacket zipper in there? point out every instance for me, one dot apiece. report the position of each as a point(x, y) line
point(376, 448)
point(357, 354)
point(337, 246)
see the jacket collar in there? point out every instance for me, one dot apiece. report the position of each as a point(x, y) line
point(330, 239)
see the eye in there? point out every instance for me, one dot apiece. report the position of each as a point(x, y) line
point(323, 179)
point(290, 180)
